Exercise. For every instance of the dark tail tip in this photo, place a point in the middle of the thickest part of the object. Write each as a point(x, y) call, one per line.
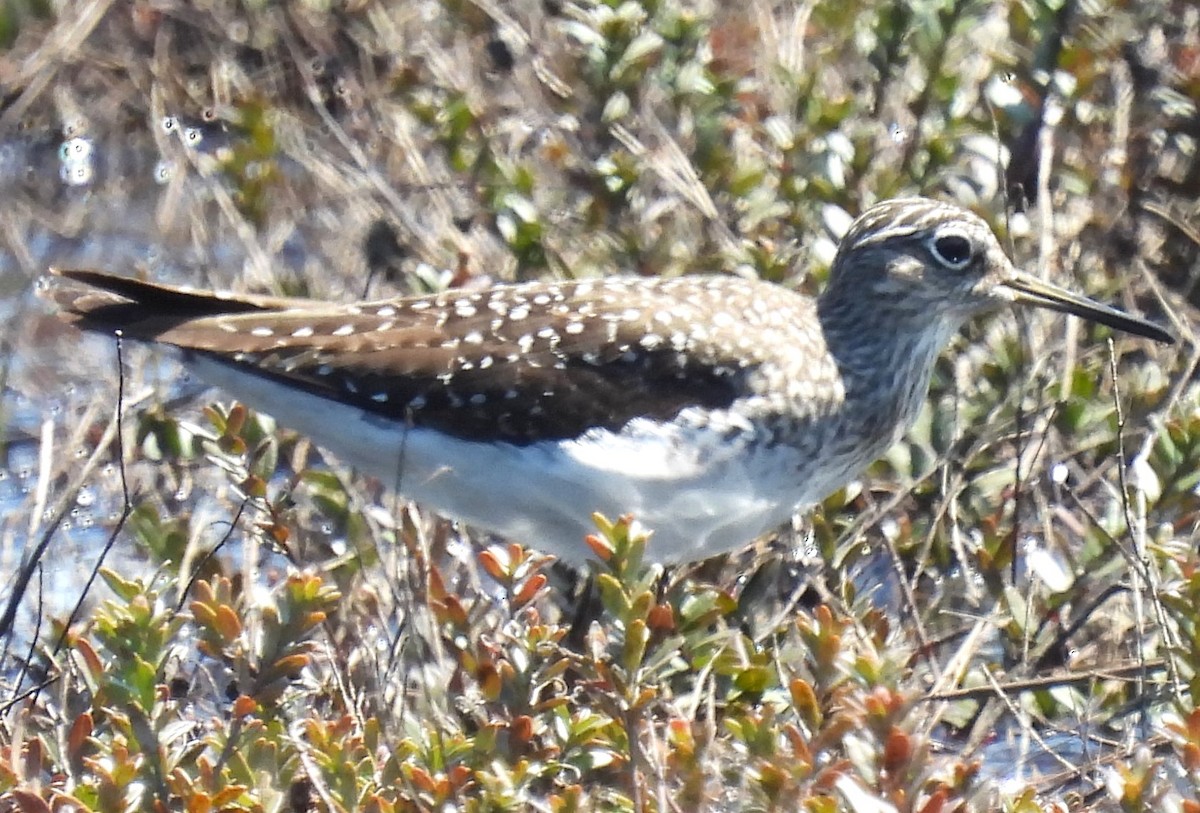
point(99, 301)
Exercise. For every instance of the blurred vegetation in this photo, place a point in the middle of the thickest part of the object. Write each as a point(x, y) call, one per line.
point(1001, 615)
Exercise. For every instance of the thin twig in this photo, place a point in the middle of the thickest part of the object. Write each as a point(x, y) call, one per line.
point(1043, 682)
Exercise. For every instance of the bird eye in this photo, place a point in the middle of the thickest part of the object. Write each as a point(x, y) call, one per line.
point(953, 249)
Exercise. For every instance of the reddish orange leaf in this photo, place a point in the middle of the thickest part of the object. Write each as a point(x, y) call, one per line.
point(600, 547)
point(244, 705)
point(227, 623)
point(897, 751)
point(491, 564)
point(661, 618)
point(81, 729)
point(529, 589)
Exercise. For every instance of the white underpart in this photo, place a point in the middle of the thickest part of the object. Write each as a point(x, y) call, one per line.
point(693, 487)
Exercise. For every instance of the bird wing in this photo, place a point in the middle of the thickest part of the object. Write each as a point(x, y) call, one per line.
point(516, 363)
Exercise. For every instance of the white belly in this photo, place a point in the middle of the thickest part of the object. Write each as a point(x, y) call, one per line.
point(698, 491)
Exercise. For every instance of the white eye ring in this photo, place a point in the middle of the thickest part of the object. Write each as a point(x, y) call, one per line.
point(952, 249)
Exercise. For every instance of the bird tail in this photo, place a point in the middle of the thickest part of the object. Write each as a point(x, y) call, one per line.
point(103, 302)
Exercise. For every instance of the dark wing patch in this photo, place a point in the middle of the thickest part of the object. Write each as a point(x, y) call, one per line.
point(519, 373)
point(519, 364)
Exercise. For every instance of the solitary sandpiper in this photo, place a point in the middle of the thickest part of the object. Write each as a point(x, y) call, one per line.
point(709, 407)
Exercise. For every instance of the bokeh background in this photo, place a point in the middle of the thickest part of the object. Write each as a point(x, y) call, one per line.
point(206, 613)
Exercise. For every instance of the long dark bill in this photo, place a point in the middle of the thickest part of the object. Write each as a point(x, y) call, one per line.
point(1032, 291)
